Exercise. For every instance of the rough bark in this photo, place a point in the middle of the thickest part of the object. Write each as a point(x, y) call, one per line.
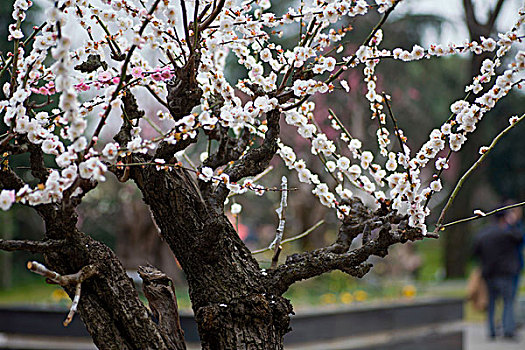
point(230, 301)
point(109, 304)
point(160, 292)
point(109, 307)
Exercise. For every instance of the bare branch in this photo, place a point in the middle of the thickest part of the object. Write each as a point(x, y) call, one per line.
point(186, 25)
point(157, 97)
point(294, 238)
point(475, 217)
point(310, 264)
point(470, 14)
point(216, 11)
point(74, 305)
point(9, 179)
point(63, 280)
point(281, 212)
point(36, 159)
point(493, 15)
point(383, 228)
point(31, 246)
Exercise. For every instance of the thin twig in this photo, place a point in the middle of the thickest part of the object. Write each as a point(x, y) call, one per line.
point(186, 26)
point(471, 170)
point(256, 178)
point(470, 218)
point(157, 97)
point(212, 16)
point(294, 238)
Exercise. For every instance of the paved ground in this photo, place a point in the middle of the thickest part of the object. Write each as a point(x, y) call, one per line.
point(476, 339)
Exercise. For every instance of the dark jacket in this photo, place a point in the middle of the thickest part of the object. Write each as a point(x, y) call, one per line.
point(496, 247)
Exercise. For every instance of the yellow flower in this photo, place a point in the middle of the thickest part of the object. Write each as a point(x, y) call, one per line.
point(328, 298)
point(360, 295)
point(346, 298)
point(409, 291)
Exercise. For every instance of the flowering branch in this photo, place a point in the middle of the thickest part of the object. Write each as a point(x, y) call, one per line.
point(122, 77)
point(484, 153)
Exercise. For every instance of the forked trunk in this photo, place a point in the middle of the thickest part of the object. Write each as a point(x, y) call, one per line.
point(232, 305)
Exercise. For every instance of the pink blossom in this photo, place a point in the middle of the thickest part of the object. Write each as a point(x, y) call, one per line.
point(104, 76)
point(7, 198)
point(50, 87)
point(166, 73)
point(157, 76)
point(41, 90)
point(81, 86)
point(136, 72)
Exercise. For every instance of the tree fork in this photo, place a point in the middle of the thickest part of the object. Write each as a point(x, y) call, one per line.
point(227, 288)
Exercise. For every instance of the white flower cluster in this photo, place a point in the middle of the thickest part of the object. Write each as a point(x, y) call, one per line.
point(272, 71)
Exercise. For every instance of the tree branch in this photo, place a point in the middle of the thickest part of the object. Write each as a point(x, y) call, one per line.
point(230, 149)
point(10, 180)
point(493, 15)
point(281, 212)
point(387, 227)
point(160, 292)
point(31, 246)
point(474, 166)
point(65, 281)
point(257, 159)
point(482, 215)
point(470, 15)
point(216, 11)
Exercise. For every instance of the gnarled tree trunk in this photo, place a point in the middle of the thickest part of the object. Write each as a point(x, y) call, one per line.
point(233, 306)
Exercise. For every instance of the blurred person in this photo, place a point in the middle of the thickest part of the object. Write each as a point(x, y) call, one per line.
point(513, 219)
point(496, 247)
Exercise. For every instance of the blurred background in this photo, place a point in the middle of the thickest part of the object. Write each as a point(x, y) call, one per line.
point(421, 91)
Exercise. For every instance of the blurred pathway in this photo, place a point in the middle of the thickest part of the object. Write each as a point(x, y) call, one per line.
point(476, 339)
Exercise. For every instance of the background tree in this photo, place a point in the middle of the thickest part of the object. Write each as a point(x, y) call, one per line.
point(176, 54)
point(460, 236)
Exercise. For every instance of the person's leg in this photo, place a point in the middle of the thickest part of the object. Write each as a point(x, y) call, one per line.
point(492, 304)
point(515, 285)
point(507, 291)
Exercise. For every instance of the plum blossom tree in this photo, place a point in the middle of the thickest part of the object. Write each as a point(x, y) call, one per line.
point(65, 90)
